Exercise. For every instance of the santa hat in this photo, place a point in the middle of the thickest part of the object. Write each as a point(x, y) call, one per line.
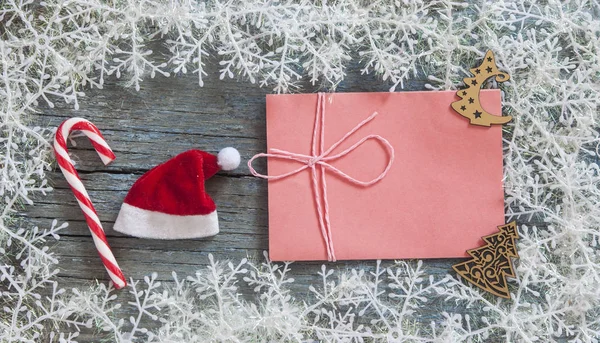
point(170, 200)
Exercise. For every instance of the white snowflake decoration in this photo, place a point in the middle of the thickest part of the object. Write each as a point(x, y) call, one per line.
point(55, 49)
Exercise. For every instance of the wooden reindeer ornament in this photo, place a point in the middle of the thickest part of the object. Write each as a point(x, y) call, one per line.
point(469, 105)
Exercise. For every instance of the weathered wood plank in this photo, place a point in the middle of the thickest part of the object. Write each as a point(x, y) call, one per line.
point(234, 195)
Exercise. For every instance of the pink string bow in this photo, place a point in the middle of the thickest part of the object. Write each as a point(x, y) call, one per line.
point(321, 159)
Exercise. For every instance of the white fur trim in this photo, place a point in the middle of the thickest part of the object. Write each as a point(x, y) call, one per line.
point(228, 158)
point(138, 222)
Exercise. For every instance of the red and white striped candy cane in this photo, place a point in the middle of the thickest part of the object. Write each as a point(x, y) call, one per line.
point(66, 165)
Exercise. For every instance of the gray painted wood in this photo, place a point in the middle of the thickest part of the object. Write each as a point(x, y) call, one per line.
point(168, 116)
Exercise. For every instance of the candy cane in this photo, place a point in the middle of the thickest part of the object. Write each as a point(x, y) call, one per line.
point(66, 165)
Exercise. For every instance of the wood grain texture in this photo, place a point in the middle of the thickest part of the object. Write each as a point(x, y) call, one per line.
point(168, 116)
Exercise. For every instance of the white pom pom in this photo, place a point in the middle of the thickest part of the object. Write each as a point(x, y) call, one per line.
point(228, 158)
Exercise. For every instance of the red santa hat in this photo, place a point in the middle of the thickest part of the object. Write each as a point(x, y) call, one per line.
point(170, 201)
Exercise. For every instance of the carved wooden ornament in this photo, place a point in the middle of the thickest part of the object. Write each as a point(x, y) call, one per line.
point(492, 263)
point(469, 105)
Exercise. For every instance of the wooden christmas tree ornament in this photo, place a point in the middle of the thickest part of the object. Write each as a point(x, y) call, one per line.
point(491, 263)
point(469, 105)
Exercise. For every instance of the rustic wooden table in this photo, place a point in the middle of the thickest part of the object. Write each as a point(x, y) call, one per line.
point(146, 127)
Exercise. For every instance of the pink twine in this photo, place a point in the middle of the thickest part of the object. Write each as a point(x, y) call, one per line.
point(321, 159)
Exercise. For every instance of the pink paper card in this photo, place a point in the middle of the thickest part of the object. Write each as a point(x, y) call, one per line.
point(442, 193)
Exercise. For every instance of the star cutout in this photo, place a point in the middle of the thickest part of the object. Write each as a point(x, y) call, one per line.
point(488, 69)
point(489, 59)
point(477, 114)
point(464, 92)
point(477, 71)
point(463, 107)
point(471, 100)
point(474, 83)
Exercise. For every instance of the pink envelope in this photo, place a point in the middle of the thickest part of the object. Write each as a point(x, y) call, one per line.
point(442, 194)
